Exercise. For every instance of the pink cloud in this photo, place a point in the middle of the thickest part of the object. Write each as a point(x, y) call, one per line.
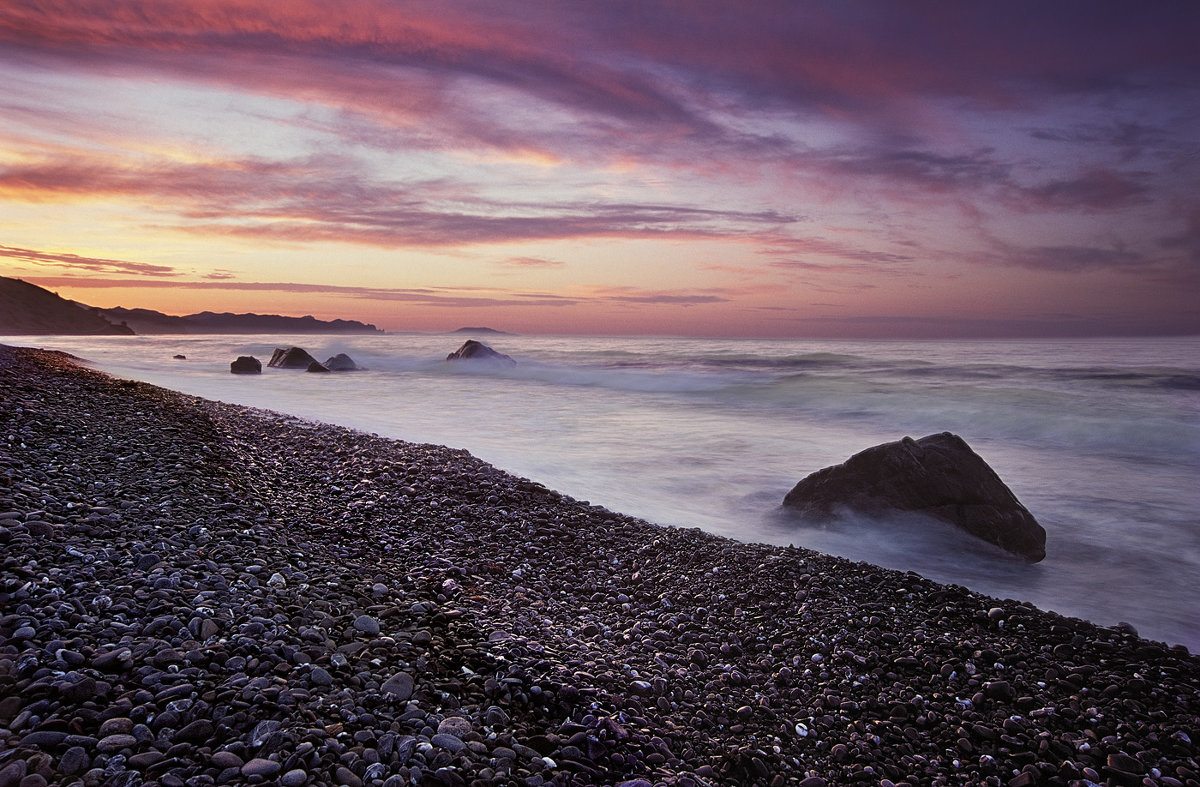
point(531, 262)
point(327, 200)
point(78, 262)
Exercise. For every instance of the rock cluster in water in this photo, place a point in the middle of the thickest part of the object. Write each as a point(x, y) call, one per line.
point(292, 358)
point(939, 476)
point(299, 358)
point(342, 363)
point(186, 599)
point(478, 351)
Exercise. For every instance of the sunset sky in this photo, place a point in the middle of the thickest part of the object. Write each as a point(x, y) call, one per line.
point(811, 169)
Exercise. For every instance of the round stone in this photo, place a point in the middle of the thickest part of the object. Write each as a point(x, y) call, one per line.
point(226, 759)
point(367, 625)
point(114, 743)
point(113, 726)
point(346, 777)
point(75, 760)
point(400, 686)
point(260, 767)
point(451, 743)
point(454, 725)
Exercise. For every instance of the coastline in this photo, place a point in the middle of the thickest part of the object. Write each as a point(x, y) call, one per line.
point(188, 573)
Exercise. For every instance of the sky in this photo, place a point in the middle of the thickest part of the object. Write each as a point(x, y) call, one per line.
point(823, 169)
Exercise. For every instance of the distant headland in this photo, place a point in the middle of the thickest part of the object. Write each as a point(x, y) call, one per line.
point(28, 309)
point(491, 331)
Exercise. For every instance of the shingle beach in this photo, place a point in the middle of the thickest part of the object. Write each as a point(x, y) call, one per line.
point(196, 593)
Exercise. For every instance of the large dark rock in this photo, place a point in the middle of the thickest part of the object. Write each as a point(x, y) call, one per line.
point(938, 475)
point(291, 358)
point(246, 364)
point(478, 351)
point(342, 363)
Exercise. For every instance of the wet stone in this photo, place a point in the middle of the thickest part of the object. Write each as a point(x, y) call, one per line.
point(454, 725)
point(226, 759)
point(260, 767)
point(399, 686)
point(75, 760)
point(44, 739)
point(450, 742)
point(115, 743)
point(294, 778)
point(367, 625)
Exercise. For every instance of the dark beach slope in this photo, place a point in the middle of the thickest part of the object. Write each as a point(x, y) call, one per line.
point(195, 593)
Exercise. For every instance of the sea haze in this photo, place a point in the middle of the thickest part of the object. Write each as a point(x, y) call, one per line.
point(1100, 439)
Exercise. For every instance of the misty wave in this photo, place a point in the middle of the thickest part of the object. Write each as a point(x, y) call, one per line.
point(638, 380)
point(1017, 414)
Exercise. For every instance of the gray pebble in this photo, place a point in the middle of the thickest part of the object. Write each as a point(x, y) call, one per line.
point(293, 778)
point(346, 777)
point(452, 743)
point(75, 760)
point(400, 686)
point(367, 625)
point(260, 767)
point(454, 725)
point(114, 743)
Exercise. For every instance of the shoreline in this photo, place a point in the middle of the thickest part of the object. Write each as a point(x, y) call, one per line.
point(206, 570)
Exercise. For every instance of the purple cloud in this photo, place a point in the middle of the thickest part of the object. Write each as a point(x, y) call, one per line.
point(1097, 190)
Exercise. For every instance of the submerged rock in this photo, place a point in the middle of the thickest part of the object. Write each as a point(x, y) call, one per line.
point(291, 358)
point(317, 367)
point(342, 363)
point(478, 351)
point(939, 476)
point(246, 364)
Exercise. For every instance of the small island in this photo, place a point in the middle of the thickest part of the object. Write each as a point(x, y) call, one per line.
point(489, 331)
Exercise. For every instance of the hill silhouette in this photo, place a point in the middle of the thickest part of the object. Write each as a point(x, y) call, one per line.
point(27, 309)
point(31, 310)
point(148, 321)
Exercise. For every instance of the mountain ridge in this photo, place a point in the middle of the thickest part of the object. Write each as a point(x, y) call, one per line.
point(148, 321)
point(27, 309)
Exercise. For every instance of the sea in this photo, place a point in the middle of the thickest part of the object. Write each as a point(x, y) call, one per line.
point(1099, 438)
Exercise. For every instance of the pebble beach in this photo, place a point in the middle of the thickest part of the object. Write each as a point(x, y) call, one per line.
point(196, 593)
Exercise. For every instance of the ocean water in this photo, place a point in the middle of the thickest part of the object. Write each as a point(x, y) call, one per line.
point(1100, 439)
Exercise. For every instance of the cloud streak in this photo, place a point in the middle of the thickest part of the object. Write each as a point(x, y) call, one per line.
point(325, 201)
point(450, 297)
point(670, 73)
point(91, 264)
